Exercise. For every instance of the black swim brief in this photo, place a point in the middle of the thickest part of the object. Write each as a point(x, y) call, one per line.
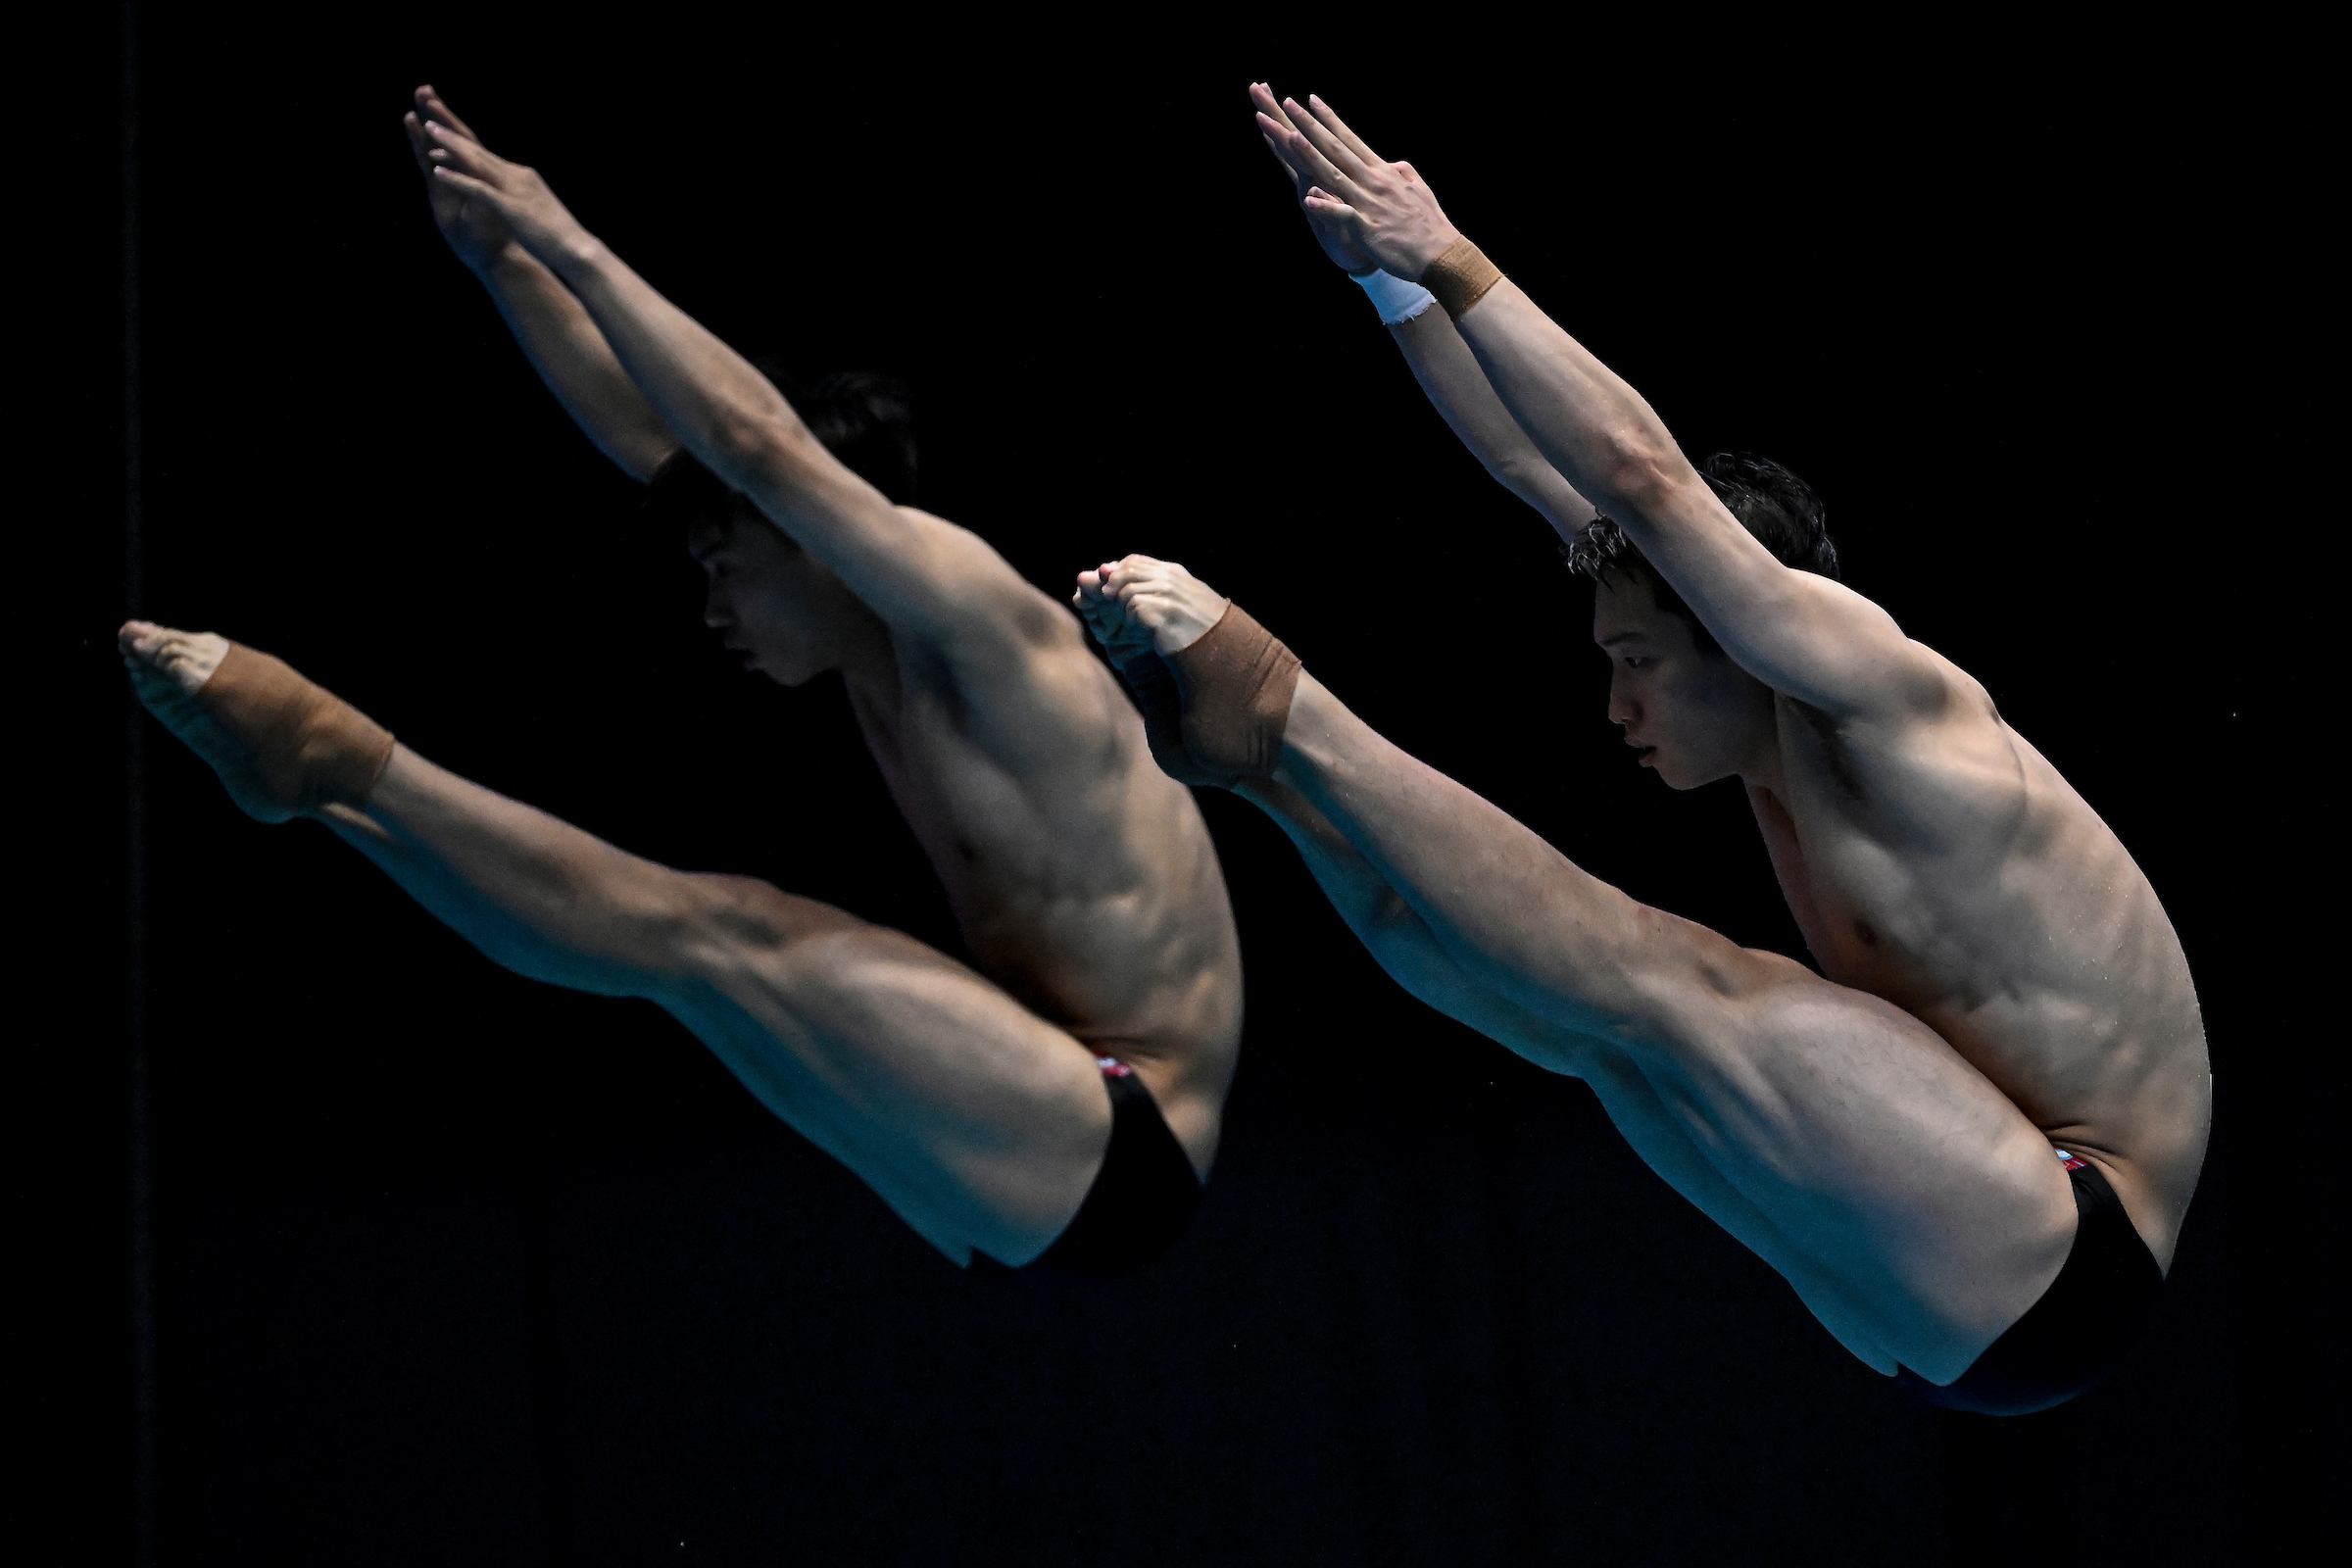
point(2078, 1331)
point(1140, 1200)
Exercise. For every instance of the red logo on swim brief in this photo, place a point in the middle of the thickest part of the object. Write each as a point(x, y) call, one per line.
point(1114, 1067)
point(2071, 1161)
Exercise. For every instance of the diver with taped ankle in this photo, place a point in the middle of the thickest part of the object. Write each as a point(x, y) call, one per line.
point(1968, 1140)
point(1050, 1107)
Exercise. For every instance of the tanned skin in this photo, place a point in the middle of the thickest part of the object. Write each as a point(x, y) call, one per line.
point(1998, 977)
point(1082, 877)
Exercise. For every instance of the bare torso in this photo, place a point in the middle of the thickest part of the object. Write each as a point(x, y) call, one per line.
point(1082, 876)
point(1945, 865)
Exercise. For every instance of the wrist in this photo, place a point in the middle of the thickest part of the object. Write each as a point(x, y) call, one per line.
point(1396, 300)
point(1460, 277)
point(1427, 253)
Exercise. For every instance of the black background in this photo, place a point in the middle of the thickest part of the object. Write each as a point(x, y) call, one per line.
point(454, 1268)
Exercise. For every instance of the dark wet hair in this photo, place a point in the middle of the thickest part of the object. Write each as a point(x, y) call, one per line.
point(866, 420)
point(1771, 503)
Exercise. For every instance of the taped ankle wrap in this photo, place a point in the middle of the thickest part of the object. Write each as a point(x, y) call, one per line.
point(1460, 277)
point(310, 748)
point(1153, 687)
point(1237, 682)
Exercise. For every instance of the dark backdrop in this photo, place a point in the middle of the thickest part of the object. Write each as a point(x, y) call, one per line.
point(448, 1267)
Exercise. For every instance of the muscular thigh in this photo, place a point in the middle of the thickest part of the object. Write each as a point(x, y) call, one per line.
point(980, 1123)
point(1915, 1208)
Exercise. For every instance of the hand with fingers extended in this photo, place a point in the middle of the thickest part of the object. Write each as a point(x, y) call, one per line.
point(1382, 211)
point(1350, 256)
point(1136, 605)
point(488, 195)
point(474, 229)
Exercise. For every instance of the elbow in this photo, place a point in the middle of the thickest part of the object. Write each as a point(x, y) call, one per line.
point(744, 444)
point(737, 442)
point(1641, 477)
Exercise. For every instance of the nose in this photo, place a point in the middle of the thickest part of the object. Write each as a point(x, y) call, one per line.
point(1622, 709)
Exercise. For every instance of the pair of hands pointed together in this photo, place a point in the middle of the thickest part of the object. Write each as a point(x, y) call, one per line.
point(482, 202)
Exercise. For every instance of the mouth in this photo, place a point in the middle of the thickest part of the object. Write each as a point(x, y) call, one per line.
point(1646, 756)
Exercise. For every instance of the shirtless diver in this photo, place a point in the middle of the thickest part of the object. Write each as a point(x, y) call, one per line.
point(1053, 1105)
point(1969, 1140)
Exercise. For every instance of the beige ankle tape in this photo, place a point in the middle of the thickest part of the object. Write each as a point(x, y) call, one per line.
point(1460, 277)
point(1237, 681)
point(310, 748)
point(1161, 702)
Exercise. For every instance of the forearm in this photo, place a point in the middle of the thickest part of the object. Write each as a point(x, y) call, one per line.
point(1798, 632)
point(1584, 421)
point(533, 893)
point(909, 568)
point(562, 342)
point(710, 398)
point(1458, 386)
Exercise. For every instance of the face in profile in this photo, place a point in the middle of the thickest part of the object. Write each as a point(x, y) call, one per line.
point(771, 600)
point(1692, 714)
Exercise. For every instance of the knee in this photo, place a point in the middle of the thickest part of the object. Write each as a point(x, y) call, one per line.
point(1713, 1000)
point(727, 917)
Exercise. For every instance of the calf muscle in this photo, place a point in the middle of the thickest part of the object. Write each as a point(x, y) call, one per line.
point(893, 1057)
point(533, 893)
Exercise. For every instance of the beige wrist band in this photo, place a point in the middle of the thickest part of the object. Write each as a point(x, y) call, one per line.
point(1460, 277)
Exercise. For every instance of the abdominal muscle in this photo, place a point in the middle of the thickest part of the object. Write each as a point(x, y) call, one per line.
point(2029, 940)
point(1084, 882)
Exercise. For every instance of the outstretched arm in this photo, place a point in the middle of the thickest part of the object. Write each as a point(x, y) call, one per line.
point(916, 572)
point(556, 333)
point(1448, 372)
point(1798, 632)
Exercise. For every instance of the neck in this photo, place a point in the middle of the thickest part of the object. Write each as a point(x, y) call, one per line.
point(1761, 768)
point(868, 662)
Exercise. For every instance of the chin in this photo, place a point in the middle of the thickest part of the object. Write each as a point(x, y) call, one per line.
point(1685, 779)
point(1671, 771)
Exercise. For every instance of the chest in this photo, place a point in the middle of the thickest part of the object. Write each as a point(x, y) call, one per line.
point(1841, 923)
point(964, 807)
point(1893, 860)
point(1000, 816)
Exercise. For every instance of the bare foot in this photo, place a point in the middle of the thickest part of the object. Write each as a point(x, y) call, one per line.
point(282, 746)
point(1135, 598)
point(1233, 678)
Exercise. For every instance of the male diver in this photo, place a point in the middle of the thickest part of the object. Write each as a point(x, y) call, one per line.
point(1050, 1108)
point(1969, 1142)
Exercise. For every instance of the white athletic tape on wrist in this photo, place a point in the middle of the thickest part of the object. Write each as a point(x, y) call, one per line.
point(1395, 299)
